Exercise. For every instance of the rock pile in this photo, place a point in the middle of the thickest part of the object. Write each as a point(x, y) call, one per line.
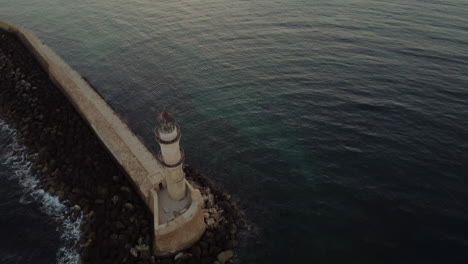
point(74, 166)
point(225, 222)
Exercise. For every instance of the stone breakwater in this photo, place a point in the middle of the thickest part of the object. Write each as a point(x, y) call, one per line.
point(73, 165)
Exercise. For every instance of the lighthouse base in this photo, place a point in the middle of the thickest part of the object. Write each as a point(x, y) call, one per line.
point(183, 228)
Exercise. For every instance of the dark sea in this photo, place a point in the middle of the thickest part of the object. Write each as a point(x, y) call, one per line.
point(341, 126)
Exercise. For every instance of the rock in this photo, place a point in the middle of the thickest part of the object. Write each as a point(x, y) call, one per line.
point(233, 229)
point(91, 214)
point(182, 256)
point(144, 251)
point(206, 260)
point(129, 206)
point(215, 250)
point(119, 225)
point(55, 173)
point(52, 165)
point(145, 254)
point(88, 243)
point(76, 208)
point(51, 190)
point(103, 191)
point(203, 244)
point(134, 252)
point(225, 256)
point(210, 200)
point(123, 237)
point(166, 261)
point(178, 255)
point(209, 234)
point(241, 222)
point(210, 221)
point(196, 251)
point(125, 189)
point(115, 199)
point(61, 195)
point(142, 247)
point(232, 244)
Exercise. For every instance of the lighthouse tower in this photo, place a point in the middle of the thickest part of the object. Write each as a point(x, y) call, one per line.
point(171, 155)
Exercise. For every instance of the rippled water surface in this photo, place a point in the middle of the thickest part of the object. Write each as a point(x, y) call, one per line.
point(341, 126)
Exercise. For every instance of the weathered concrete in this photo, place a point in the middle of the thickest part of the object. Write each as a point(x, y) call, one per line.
point(168, 136)
point(169, 208)
point(139, 163)
point(182, 231)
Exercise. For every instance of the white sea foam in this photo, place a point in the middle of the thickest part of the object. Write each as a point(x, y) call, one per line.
point(14, 156)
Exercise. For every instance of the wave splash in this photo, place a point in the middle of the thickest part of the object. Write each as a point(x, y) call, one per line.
point(14, 155)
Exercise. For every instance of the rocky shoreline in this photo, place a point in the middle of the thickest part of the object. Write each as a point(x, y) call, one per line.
point(74, 166)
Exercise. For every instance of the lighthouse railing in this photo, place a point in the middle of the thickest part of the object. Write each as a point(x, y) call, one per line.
point(160, 159)
point(162, 141)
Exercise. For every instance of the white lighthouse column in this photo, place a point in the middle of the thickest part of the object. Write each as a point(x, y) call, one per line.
point(172, 158)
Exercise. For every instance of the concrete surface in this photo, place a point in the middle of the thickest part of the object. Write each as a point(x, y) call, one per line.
point(169, 209)
point(184, 230)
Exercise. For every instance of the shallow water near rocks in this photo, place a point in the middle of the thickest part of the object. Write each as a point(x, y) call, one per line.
point(341, 126)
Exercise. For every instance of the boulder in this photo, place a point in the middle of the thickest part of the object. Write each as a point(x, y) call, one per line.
point(182, 256)
point(225, 256)
point(196, 251)
point(61, 195)
point(76, 208)
point(129, 206)
point(134, 252)
point(232, 244)
point(210, 221)
point(115, 199)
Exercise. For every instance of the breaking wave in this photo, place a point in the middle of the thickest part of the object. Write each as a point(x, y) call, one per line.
point(14, 155)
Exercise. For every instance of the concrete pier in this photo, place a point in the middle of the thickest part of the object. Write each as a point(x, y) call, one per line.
point(144, 170)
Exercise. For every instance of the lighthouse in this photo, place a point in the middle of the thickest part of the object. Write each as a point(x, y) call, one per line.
point(177, 207)
point(171, 155)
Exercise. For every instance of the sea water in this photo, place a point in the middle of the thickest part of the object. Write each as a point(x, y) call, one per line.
point(340, 125)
